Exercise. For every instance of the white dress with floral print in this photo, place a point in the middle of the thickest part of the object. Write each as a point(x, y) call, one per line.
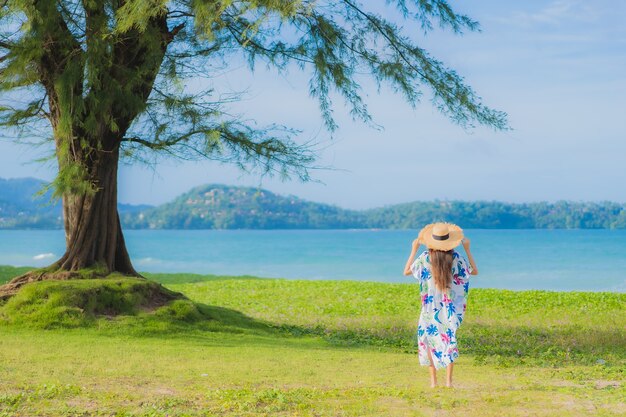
point(442, 312)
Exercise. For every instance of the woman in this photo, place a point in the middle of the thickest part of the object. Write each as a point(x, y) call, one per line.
point(443, 275)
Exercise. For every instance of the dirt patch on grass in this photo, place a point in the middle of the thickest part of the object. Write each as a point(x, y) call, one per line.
point(565, 383)
point(392, 403)
point(164, 391)
point(602, 384)
point(83, 404)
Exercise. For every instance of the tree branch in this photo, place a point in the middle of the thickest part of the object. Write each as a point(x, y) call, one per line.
point(175, 31)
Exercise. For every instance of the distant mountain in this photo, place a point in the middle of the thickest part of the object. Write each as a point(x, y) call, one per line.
point(20, 192)
point(226, 207)
point(22, 208)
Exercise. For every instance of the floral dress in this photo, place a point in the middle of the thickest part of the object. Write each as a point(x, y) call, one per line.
point(442, 312)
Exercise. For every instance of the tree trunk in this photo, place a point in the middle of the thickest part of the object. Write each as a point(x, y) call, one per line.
point(95, 245)
point(93, 234)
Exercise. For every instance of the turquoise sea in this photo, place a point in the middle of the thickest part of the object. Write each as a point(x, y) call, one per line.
point(588, 260)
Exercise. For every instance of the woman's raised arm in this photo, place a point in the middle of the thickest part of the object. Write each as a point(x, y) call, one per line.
point(414, 247)
point(470, 258)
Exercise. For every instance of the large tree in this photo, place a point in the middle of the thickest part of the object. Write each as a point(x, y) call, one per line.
point(106, 79)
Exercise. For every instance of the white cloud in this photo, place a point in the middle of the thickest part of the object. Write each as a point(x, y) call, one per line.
point(557, 12)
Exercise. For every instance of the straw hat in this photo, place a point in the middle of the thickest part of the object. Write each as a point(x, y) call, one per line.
point(441, 236)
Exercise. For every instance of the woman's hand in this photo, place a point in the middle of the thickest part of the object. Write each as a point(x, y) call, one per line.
point(466, 244)
point(416, 244)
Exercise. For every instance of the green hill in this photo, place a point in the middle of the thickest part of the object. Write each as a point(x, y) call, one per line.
point(223, 207)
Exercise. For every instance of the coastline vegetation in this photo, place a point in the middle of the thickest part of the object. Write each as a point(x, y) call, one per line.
point(225, 207)
point(269, 347)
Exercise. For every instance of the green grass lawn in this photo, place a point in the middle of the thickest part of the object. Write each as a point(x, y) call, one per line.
point(261, 347)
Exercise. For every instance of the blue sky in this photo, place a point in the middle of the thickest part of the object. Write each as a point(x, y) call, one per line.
point(556, 67)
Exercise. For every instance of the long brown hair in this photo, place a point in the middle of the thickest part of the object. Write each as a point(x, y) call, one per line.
point(441, 267)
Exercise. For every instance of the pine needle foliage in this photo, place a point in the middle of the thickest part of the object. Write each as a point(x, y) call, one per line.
point(100, 77)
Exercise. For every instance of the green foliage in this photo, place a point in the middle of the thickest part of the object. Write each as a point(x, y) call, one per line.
point(72, 179)
point(103, 74)
point(497, 215)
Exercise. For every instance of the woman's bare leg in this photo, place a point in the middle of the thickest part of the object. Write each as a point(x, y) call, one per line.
point(432, 370)
point(449, 375)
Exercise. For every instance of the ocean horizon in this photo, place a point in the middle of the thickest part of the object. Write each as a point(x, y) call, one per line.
point(515, 259)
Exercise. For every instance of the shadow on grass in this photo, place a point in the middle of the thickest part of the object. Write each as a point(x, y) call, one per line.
point(554, 345)
point(187, 318)
point(504, 345)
